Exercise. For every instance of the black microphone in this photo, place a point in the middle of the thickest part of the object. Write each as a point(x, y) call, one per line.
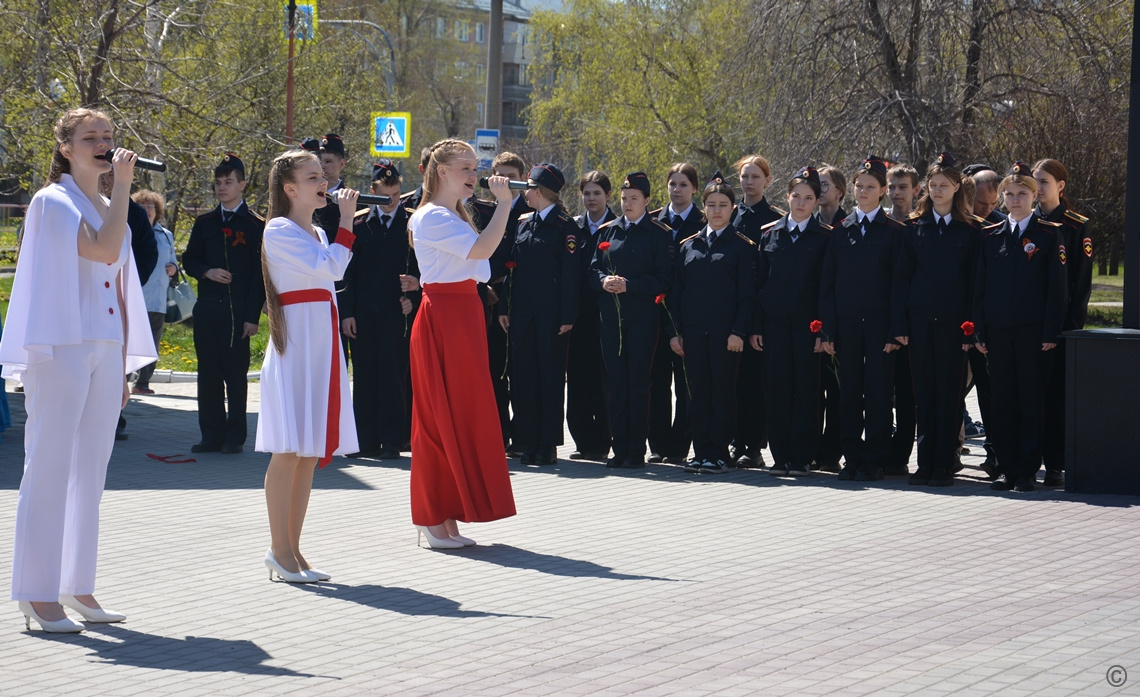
point(512, 184)
point(366, 199)
point(141, 163)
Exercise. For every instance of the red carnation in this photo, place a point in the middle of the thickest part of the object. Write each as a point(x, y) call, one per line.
point(511, 265)
point(227, 232)
point(660, 299)
point(968, 328)
point(604, 246)
point(816, 326)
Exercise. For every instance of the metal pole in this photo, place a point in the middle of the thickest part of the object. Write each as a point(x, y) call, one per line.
point(1132, 206)
point(493, 109)
point(289, 79)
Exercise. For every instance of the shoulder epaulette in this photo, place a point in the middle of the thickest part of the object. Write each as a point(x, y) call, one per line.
point(361, 213)
point(661, 225)
point(992, 227)
point(977, 219)
point(565, 217)
point(526, 216)
point(896, 223)
point(657, 212)
point(697, 234)
point(1077, 217)
point(826, 228)
point(606, 225)
point(407, 194)
point(744, 237)
point(770, 225)
point(777, 209)
point(409, 211)
point(1050, 223)
point(254, 214)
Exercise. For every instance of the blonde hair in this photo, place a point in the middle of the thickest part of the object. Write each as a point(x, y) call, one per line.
point(758, 160)
point(64, 131)
point(145, 196)
point(1028, 182)
point(283, 170)
point(444, 153)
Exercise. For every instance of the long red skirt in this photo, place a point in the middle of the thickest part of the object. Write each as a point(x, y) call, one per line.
point(459, 468)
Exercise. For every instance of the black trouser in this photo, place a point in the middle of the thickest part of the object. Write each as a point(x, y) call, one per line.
point(670, 433)
point(379, 380)
point(627, 377)
point(830, 446)
point(223, 362)
point(1053, 438)
point(980, 370)
point(938, 365)
point(751, 433)
point(497, 352)
point(866, 377)
point(792, 390)
point(157, 326)
point(902, 442)
point(1018, 373)
point(538, 355)
point(712, 371)
point(586, 415)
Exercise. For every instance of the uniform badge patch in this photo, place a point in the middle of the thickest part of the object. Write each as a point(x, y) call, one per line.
point(1088, 247)
point(571, 243)
point(1062, 254)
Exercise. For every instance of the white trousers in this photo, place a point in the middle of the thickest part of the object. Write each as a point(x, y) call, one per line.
point(73, 404)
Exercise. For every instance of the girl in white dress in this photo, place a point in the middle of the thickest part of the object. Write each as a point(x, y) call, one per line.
point(306, 410)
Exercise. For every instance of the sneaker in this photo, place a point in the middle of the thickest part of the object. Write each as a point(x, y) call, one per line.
point(975, 429)
point(694, 465)
point(714, 467)
point(798, 470)
point(778, 469)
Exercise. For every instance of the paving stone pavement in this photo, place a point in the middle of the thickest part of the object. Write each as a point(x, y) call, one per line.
point(649, 582)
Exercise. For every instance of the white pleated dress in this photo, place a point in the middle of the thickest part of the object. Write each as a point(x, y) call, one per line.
point(295, 385)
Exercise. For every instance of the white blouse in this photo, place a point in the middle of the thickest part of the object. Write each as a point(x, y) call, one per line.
point(442, 241)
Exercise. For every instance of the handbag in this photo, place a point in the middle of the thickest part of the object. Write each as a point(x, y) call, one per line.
point(180, 299)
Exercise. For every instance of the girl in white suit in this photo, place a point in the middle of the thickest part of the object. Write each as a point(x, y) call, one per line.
point(77, 326)
point(306, 408)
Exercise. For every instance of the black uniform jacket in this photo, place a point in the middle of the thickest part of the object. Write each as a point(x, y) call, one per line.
point(858, 271)
point(642, 255)
point(935, 271)
point(1079, 250)
point(587, 300)
point(750, 220)
point(788, 273)
point(714, 285)
point(549, 263)
point(380, 256)
point(233, 245)
point(1021, 282)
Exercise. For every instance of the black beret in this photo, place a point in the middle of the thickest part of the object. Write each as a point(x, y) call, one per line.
point(971, 170)
point(1019, 168)
point(810, 175)
point(637, 180)
point(232, 160)
point(875, 165)
point(332, 143)
point(946, 161)
point(547, 175)
point(384, 169)
point(716, 178)
point(310, 144)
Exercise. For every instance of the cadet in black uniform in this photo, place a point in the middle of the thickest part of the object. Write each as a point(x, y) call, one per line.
point(224, 254)
point(333, 160)
point(935, 272)
point(712, 300)
point(833, 188)
point(902, 184)
point(788, 278)
point(538, 309)
point(855, 308)
point(632, 265)
point(752, 213)
point(670, 433)
point(1019, 308)
point(381, 286)
point(586, 414)
point(1052, 204)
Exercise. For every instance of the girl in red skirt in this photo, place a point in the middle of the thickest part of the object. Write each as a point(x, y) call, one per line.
point(459, 470)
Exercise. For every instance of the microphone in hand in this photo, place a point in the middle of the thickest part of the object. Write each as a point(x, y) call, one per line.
point(140, 163)
point(513, 184)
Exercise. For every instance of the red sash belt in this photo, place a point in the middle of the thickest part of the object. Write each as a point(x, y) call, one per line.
point(332, 425)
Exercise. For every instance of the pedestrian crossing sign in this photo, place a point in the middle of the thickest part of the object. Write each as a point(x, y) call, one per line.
point(391, 134)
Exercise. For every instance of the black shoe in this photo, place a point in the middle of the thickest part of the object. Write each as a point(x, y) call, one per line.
point(1003, 483)
point(990, 466)
point(798, 470)
point(359, 454)
point(578, 455)
point(693, 466)
point(745, 460)
point(512, 450)
point(655, 459)
point(120, 433)
point(829, 466)
point(230, 448)
point(847, 474)
point(1026, 482)
point(1054, 478)
point(868, 474)
point(919, 478)
point(547, 456)
point(388, 452)
point(714, 466)
point(528, 459)
point(204, 447)
point(615, 462)
point(778, 469)
point(631, 464)
point(942, 477)
point(897, 469)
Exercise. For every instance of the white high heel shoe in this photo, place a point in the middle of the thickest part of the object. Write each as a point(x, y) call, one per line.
point(285, 575)
point(91, 614)
point(467, 541)
point(437, 542)
point(64, 626)
point(321, 575)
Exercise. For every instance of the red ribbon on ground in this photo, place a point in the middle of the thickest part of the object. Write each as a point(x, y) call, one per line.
point(332, 424)
point(170, 459)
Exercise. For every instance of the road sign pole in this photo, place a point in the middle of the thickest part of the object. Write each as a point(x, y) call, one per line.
point(289, 77)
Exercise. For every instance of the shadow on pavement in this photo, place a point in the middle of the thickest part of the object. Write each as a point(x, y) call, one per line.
point(115, 644)
point(405, 601)
point(515, 558)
